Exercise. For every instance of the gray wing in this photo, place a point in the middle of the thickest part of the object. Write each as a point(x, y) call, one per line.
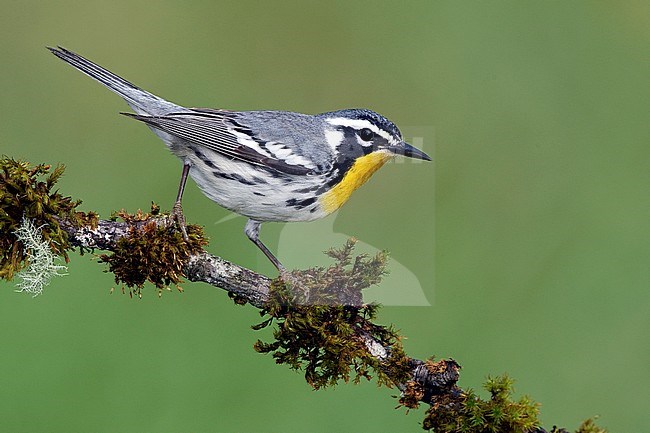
point(231, 135)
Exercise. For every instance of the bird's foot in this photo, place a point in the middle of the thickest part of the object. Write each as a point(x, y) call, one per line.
point(285, 275)
point(179, 218)
point(299, 291)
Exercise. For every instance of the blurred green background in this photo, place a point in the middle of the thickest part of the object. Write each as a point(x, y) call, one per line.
point(529, 234)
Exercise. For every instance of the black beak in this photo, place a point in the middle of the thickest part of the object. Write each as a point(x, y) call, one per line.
point(406, 149)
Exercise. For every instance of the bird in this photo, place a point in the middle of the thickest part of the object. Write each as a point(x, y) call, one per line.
point(268, 166)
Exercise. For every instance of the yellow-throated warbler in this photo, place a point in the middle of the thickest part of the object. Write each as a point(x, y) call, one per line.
point(265, 165)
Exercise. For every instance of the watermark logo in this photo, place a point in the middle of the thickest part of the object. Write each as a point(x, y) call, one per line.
point(301, 245)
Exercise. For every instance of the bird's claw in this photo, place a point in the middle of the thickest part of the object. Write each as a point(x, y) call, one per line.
point(179, 218)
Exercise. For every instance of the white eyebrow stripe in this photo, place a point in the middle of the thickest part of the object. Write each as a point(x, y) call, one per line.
point(360, 124)
point(353, 123)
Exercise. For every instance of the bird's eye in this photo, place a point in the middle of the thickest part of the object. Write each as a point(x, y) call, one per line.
point(366, 135)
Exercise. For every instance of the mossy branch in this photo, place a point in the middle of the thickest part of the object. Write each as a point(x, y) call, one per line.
point(322, 326)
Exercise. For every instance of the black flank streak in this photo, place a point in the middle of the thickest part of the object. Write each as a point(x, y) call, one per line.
point(305, 190)
point(300, 204)
point(205, 159)
point(233, 176)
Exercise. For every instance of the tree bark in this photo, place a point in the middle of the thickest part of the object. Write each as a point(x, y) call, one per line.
point(254, 289)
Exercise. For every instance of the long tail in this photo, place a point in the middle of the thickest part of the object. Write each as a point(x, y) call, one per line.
point(140, 100)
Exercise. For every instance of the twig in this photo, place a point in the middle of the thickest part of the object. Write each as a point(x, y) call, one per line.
point(254, 288)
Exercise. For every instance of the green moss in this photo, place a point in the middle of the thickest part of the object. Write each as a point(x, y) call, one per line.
point(28, 191)
point(467, 412)
point(151, 252)
point(320, 318)
point(412, 395)
point(589, 426)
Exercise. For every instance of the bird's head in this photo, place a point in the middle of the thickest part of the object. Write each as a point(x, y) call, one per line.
point(358, 132)
point(362, 141)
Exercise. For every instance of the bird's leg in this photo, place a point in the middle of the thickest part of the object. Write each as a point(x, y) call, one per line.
point(177, 210)
point(252, 230)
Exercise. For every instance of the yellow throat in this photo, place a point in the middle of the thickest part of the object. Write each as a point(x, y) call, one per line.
point(356, 176)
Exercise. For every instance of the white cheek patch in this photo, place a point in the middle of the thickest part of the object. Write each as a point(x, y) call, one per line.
point(334, 138)
point(361, 124)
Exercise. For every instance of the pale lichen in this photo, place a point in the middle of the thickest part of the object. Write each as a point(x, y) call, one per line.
point(40, 258)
